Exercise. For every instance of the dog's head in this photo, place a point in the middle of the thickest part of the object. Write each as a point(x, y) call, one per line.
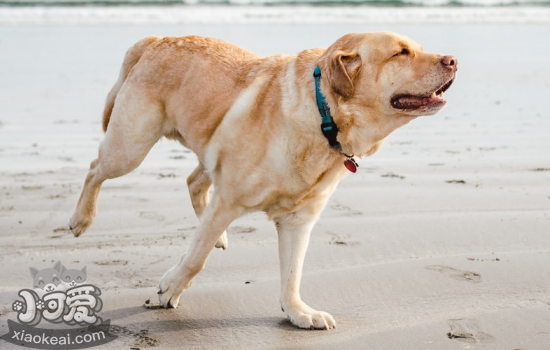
point(381, 81)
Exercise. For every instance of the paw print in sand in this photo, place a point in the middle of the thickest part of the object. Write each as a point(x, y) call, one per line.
point(17, 306)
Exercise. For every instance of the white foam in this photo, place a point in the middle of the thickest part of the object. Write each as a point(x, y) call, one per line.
point(427, 3)
point(220, 14)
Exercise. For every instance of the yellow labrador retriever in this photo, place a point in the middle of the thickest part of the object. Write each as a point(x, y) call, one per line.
point(273, 134)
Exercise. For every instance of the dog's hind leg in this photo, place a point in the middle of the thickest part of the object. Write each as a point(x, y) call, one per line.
point(199, 184)
point(217, 216)
point(294, 231)
point(135, 126)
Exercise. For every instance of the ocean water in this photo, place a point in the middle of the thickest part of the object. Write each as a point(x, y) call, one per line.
point(380, 3)
point(90, 12)
point(180, 14)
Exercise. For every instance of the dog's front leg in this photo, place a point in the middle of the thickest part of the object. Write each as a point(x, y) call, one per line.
point(217, 217)
point(294, 231)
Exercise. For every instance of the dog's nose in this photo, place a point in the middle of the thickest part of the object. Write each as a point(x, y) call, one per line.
point(449, 62)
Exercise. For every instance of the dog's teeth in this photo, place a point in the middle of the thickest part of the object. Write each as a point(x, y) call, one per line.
point(432, 95)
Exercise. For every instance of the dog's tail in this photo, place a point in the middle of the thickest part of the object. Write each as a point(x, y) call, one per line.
point(132, 57)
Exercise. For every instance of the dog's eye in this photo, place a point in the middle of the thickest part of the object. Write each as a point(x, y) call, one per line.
point(404, 52)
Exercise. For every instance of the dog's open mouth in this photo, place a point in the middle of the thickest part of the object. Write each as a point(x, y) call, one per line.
point(412, 102)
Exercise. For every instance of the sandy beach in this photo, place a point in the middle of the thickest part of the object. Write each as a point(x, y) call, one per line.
point(440, 241)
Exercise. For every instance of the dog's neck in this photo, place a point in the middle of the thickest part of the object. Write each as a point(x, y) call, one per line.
point(328, 126)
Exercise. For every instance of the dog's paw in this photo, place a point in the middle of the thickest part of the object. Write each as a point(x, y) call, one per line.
point(171, 286)
point(222, 242)
point(307, 318)
point(78, 225)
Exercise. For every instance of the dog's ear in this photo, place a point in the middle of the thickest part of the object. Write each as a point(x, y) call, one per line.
point(344, 68)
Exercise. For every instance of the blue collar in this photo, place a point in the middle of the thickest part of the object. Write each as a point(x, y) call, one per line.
point(328, 127)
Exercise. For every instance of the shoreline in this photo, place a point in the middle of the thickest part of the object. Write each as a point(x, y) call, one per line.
point(255, 15)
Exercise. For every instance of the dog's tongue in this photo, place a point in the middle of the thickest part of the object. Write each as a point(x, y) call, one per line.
point(413, 102)
point(410, 102)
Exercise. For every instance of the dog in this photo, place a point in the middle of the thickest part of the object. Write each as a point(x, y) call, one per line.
point(271, 134)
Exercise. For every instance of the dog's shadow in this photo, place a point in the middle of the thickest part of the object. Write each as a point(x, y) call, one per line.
point(180, 322)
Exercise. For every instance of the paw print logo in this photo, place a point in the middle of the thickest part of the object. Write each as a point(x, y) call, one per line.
point(39, 305)
point(17, 306)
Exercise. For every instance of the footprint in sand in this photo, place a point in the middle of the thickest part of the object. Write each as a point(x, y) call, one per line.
point(347, 210)
point(467, 331)
point(336, 240)
point(240, 229)
point(140, 339)
point(459, 275)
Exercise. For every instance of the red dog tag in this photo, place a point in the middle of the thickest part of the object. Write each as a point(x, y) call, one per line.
point(351, 165)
